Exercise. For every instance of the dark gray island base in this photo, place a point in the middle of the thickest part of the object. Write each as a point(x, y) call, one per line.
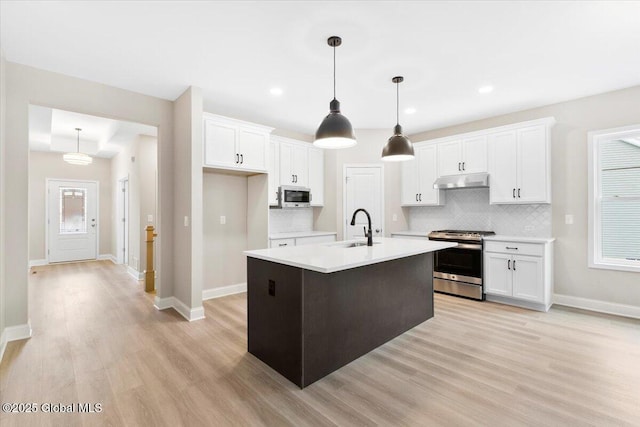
point(306, 324)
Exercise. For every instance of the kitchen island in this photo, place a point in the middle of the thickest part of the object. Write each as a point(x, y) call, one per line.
point(313, 309)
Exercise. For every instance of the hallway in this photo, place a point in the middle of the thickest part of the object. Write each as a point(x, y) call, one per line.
point(98, 339)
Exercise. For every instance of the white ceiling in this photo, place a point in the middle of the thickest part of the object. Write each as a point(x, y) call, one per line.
point(55, 130)
point(533, 53)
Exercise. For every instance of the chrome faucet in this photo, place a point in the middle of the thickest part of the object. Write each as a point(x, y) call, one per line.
point(368, 233)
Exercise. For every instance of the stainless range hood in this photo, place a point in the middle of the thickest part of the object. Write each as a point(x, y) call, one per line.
point(471, 180)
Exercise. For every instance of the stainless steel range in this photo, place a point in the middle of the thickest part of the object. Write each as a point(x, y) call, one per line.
point(458, 271)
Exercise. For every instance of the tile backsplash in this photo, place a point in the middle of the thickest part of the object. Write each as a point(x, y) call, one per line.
point(290, 220)
point(469, 209)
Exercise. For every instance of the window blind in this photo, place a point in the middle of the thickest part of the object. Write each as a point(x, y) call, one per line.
point(620, 200)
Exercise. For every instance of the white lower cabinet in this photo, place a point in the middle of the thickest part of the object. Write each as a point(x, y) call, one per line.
point(519, 273)
point(302, 240)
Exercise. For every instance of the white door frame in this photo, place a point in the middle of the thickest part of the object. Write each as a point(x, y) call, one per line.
point(345, 217)
point(122, 229)
point(47, 222)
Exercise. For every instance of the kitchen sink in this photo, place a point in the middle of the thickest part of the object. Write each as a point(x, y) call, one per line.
point(352, 244)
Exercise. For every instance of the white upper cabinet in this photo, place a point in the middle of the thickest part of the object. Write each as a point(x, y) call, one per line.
point(467, 155)
point(519, 165)
point(316, 175)
point(234, 144)
point(299, 164)
point(294, 160)
point(418, 176)
point(274, 171)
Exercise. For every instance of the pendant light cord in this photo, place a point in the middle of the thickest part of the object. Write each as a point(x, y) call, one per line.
point(78, 143)
point(334, 72)
point(397, 103)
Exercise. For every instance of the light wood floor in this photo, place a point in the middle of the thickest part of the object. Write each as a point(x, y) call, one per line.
point(98, 339)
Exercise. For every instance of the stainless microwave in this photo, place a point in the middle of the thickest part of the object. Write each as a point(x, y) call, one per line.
point(293, 197)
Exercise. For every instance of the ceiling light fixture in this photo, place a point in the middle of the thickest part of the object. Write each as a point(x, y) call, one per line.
point(78, 158)
point(485, 89)
point(398, 147)
point(335, 131)
point(276, 91)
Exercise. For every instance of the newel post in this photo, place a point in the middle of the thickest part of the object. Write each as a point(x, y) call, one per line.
point(149, 273)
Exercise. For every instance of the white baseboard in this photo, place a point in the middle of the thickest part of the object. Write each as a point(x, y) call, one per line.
point(518, 303)
point(14, 333)
point(597, 305)
point(190, 314)
point(107, 257)
point(135, 273)
point(37, 262)
point(224, 291)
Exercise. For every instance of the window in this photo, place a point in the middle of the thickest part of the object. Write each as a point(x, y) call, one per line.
point(614, 199)
point(73, 219)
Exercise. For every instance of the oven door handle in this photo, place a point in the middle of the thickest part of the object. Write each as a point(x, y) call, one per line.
point(468, 246)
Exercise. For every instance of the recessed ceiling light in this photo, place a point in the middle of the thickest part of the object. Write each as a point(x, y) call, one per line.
point(276, 91)
point(410, 110)
point(485, 89)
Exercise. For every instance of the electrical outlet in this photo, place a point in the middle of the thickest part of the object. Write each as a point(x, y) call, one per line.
point(272, 288)
point(223, 219)
point(568, 219)
point(149, 218)
point(186, 221)
point(394, 218)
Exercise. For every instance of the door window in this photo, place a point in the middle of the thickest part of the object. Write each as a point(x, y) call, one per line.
point(73, 208)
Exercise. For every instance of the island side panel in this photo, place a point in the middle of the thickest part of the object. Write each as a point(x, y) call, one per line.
point(351, 312)
point(274, 322)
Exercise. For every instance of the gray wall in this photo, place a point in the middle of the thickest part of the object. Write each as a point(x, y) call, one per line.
point(25, 85)
point(43, 165)
point(3, 249)
point(224, 263)
point(142, 195)
point(187, 181)
point(569, 185)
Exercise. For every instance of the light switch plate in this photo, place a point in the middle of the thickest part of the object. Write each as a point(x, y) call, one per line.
point(149, 218)
point(186, 221)
point(223, 219)
point(568, 219)
point(395, 217)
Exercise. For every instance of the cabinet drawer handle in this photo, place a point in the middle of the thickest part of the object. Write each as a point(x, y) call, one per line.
point(511, 247)
point(518, 193)
point(514, 265)
point(509, 264)
point(282, 244)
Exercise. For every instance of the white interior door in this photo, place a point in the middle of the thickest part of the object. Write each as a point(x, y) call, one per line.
point(363, 189)
point(123, 222)
point(72, 220)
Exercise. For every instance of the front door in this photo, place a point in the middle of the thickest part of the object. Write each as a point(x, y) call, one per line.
point(363, 189)
point(72, 220)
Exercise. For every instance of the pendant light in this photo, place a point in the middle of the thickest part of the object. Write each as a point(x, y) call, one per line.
point(398, 147)
point(335, 131)
point(78, 158)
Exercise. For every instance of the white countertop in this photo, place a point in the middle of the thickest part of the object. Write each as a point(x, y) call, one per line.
point(300, 234)
point(332, 257)
point(523, 239)
point(410, 233)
